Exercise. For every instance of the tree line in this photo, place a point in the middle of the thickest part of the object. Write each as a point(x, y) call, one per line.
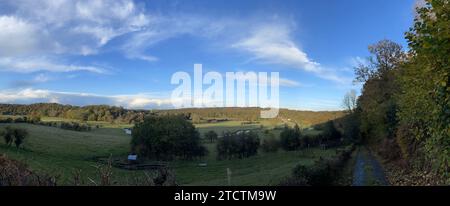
point(75, 126)
point(86, 113)
point(243, 144)
point(196, 115)
point(292, 138)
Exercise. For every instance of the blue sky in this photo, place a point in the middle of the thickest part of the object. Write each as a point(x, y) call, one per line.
point(124, 52)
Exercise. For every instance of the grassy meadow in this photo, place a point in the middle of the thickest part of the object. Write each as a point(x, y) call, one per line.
point(61, 153)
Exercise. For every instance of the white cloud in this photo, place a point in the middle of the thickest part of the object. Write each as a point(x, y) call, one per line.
point(135, 47)
point(16, 36)
point(83, 25)
point(141, 101)
point(137, 101)
point(29, 65)
point(41, 29)
point(274, 44)
point(27, 94)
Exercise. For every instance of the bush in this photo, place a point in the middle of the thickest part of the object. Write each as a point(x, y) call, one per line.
point(211, 136)
point(8, 135)
point(270, 144)
point(290, 138)
point(322, 173)
point(19, 136)
point(14, 173)
point(70, 126)
point(330, 132)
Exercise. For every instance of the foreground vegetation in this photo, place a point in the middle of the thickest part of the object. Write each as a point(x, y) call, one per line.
point(69, 155)
point(404, 110)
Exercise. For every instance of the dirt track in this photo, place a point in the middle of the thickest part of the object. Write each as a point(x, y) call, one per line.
point(367, 170)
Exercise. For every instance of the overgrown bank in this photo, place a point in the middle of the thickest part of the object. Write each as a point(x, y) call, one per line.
point(324, 172)
point(403, 112)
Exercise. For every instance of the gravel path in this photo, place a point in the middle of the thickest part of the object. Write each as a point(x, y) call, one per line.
point(368, 171)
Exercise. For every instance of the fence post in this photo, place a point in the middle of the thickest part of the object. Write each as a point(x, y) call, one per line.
point(229, 176)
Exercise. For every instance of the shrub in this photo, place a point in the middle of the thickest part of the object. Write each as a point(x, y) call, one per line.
point(290, 138)
point(19, 136)
point(70, 126)
point(211, 136)
point(322, 173)
point(8, 135)
point(14, 173)
point(270, 144)
point(330, 132)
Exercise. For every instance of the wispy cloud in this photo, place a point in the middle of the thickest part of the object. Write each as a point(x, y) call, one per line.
point(273, 44)
point(35, 64)
point(40, 78)
point(290, 83)
point(162, 28)
point(76, 26)
point(138, 43)
point(317, 104)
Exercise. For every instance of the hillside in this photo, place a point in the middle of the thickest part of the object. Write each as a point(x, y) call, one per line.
point(199, 115)
point(63, 154)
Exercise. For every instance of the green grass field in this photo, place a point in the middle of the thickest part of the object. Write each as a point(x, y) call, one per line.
point(261, 170)
point(61, 152)
point(91, 123)
point(230, 126)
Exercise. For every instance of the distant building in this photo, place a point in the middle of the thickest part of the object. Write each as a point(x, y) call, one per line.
point(132, 158)
point(239, 132)
point(128, 131)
